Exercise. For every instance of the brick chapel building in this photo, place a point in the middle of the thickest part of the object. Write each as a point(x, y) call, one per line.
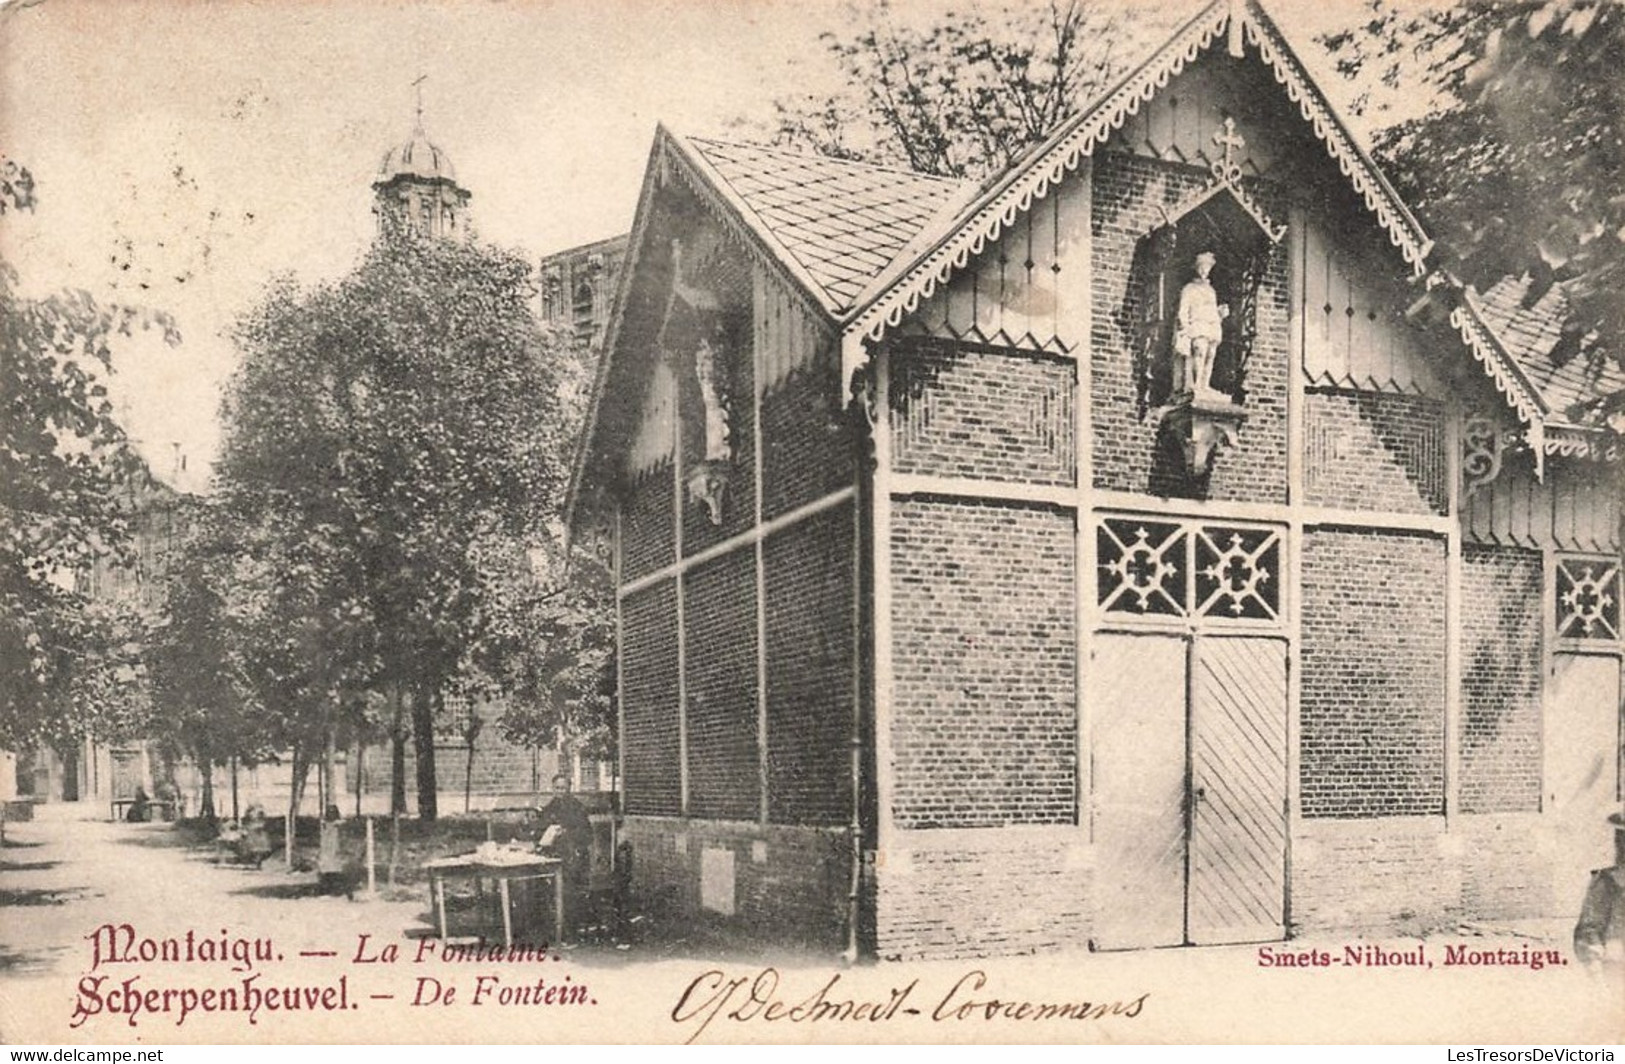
point(1121, 552)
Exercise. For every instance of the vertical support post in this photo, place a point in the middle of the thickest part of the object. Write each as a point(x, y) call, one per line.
point(682, 623)
point(617, 568)
point(1293, 549)
point(1452, 623)
point(885, 786)
point(758, 358)
point(1083, 580)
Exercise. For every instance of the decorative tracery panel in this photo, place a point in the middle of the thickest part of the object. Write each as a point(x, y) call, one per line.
point(1209, 572)
point(1587, 592)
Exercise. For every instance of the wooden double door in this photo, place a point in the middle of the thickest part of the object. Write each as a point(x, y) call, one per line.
point(1582, 754)
point(1188, 773)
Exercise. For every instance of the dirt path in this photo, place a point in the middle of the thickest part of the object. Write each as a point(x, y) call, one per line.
point(67, 873)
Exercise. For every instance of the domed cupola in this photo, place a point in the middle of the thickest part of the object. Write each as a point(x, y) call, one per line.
point(417, 191)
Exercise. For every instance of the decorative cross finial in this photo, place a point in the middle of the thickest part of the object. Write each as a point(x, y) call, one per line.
point(1230, 142)
point(418, 85)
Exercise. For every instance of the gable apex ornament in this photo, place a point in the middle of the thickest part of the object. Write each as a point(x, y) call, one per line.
point(1226, 177)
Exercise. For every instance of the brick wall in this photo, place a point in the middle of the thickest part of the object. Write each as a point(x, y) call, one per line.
point(1373, 702)
point(809, 670)
point(649, 701)
point(805, 449)
point(719, 608)
point(1129, 455)
point(981, 892)
point(1506, 868)
point(1375, 451)
point(983, 720)
point(790, 883)
point(963, 412)
point(1406, 875)
point(1501, 631)
point(647, 536)
point(1401, 874)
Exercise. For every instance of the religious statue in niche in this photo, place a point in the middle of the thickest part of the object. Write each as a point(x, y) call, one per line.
point(1198, 329)
point(708, 480)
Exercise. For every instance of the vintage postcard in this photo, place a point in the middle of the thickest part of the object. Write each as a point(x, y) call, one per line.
point(713, 521)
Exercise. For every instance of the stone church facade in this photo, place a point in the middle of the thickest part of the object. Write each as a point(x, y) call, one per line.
point(1143, 547)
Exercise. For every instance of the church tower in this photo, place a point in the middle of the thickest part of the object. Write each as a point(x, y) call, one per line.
point(417, 191)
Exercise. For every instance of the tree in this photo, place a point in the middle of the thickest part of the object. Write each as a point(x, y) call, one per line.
point(72, 665)
point(1515, 167)
point(962, 97)
point(550, 648)
point(204, 700)
point(380, 428)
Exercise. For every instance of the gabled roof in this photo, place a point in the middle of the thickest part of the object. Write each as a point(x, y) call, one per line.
point(827, 225)
point(840, 221)
point(936, 255)
point(1525, 332)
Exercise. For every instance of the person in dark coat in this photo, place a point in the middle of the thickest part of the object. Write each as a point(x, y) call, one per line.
point(566, 831)
point(254, 846)
point(140, 807)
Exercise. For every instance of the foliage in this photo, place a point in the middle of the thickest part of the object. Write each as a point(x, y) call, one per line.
point(549, 649)
point(204, 698)
point(965, 95)
point(71, 663)
point(379, 429)
point(1517, 167)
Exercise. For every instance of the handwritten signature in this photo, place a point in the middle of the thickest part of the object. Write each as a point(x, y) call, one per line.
point(759, 997)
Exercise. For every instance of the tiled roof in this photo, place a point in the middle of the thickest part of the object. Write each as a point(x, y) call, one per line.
point(1528, 335)
point(841, 221)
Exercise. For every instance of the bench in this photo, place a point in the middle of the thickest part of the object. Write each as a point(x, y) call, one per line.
point(161, 805)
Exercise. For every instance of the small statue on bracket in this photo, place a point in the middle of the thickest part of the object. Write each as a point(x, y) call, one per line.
point(1203, 420)
point(1198, 330)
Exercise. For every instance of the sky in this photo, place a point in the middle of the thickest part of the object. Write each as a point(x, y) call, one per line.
point(185, 153)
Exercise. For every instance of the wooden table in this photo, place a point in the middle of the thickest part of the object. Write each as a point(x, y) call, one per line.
point(505, 872)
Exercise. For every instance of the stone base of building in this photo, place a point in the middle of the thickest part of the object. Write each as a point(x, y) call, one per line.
point(975, 892)
point(1411, 874)
point(767, 884)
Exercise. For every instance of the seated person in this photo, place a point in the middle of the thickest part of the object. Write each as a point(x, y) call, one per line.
point(254, 844)
point(140, 810)
point(566, 831)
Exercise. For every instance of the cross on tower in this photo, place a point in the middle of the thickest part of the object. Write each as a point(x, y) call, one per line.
point(417, 84)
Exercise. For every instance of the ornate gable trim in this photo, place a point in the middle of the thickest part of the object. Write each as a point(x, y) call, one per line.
point(1508, 378)
point(671, 159)
point(899, 290)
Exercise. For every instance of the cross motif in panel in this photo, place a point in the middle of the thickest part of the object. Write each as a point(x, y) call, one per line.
point(1141, 572)
point(1238, 574)
point(1588, 608)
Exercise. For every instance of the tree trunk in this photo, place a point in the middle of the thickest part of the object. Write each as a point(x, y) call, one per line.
point(330, 756)
point(296, 794)
point(236, 814)
point(423, 734)
point(397, 755)
point(206, 803)
point(360, 773)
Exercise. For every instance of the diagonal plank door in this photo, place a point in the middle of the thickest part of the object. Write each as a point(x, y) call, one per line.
point(1137, 713)
point(1238, 790)
point(1582, 748)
